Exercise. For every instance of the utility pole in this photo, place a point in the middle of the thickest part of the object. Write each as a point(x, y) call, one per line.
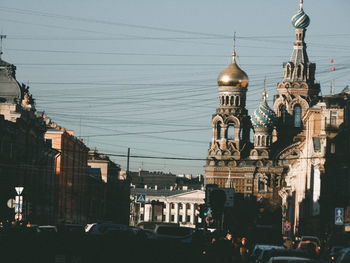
point(127, 164)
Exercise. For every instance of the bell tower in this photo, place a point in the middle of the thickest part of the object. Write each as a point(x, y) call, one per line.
point(298, 90)
point(230, 123)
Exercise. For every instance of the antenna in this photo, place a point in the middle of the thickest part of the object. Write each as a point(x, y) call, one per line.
point(1, 37)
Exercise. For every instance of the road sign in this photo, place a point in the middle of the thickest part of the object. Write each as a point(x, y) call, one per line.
point(11, 203)
point(339, 216)
point(287, 226)
point(140, 198)
point(18, 208)
point(347, 227)
point(18, 216)
point(19, 189)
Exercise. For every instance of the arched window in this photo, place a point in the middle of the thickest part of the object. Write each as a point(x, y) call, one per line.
point(299, 73)
point(297, 116)
point(237, 100)
point(230, 131)
point(283, 113)
point(258, 140)
point(222, 100)
point(288, 71)
point(218, 130)
point(261, 185)
point(231, 100)
point(227, 98)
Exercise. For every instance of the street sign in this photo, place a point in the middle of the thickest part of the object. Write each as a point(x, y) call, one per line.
point(19, 189)
point(347, 227)
point(339, 216)
point(11, 203)
point(140, 198)
point(18, 216)
point(18, 208)
point(287, 226)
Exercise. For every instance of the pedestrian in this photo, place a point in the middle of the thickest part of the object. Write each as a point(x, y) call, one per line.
point(244, 250)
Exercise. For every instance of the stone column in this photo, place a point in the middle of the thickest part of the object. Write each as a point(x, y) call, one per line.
point(176, 216)
point(167, 212)
point(184, 213)
point(192, 214)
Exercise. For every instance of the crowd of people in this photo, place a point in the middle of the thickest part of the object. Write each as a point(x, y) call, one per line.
point(226, 248)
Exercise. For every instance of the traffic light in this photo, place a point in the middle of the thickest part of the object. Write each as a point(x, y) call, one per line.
point(204, 211)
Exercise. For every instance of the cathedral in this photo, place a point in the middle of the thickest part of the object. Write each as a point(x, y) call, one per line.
point(273, 167)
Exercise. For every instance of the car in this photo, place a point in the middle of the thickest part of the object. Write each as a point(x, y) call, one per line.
point(174, 233)
point(309, 246)
point(334, 252)
point(311, 238)
point(282, 259)
point(258, 248)
point(343, 256)
point(72, 228)
point(48, 229)
point(266, 255)
point(105, 227)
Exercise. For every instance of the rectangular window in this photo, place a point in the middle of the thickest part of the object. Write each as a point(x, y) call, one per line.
point(332, 147)
point(317, 144)
point(172, 218)
point(333, 118)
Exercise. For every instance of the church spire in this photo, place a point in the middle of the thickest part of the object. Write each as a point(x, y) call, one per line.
point(234, 54)
point(1, 37)
point(301, 5)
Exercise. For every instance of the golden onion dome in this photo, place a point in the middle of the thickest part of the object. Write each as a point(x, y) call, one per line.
point(233, 75)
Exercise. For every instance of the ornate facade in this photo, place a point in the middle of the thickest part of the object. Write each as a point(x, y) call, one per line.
point(278, 167)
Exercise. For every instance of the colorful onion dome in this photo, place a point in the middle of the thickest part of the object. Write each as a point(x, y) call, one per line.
point(300, 20)
point(263, 117)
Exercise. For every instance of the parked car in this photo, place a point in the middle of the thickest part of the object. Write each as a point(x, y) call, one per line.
point(175, 233)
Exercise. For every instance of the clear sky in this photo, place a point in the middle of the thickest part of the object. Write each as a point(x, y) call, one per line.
point(142, 74)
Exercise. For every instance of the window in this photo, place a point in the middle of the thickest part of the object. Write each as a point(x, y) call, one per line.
point(172, 205)
point(283, 113)
point(333, 118)
point(227, 100)
point(218, 130)
point(317, 144)
point(297, 116)
point(172, 218)
point(332, 147)
point(261, 186)
point(231, 131)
